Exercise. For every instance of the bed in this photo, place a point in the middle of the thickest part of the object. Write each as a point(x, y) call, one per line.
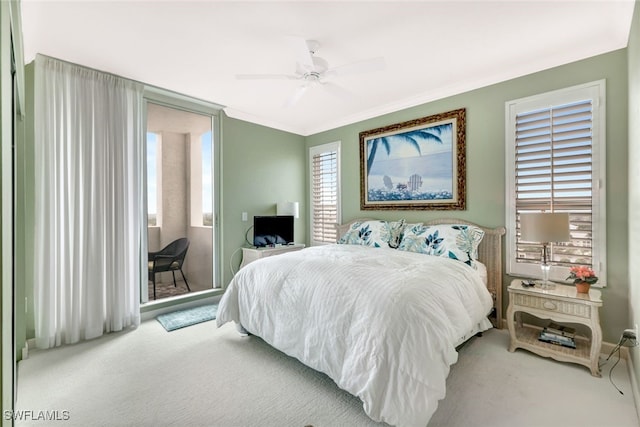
point(381, 312)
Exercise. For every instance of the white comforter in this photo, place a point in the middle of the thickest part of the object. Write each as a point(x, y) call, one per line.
point(382, 323)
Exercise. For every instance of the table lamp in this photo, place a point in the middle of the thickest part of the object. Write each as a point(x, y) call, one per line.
point(288, 208)
point(545, 227)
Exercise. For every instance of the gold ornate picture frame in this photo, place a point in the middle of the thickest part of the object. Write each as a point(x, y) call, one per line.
point(415, 165)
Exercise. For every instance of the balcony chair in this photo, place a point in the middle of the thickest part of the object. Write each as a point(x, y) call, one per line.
point(170, 258)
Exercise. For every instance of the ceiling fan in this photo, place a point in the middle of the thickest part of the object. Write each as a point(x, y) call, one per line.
point(312, 71)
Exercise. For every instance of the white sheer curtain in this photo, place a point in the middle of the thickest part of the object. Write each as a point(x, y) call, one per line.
point(89, 203)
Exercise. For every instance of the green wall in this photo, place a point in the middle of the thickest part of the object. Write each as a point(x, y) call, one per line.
point(486, 157)
point(260, 167)
point(634, 187)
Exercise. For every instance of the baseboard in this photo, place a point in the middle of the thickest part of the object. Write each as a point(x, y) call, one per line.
point(30, 343)
point(608, 347)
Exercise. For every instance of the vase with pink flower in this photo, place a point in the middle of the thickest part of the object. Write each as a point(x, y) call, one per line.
point(583, 277)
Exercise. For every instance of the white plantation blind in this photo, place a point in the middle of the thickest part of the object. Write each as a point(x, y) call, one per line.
point(554, 174)
point(557, 164)
point(325, 192)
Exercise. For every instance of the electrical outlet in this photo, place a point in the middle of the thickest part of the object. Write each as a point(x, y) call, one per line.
point(244, 216)
point(629, 337)
point(631, 334)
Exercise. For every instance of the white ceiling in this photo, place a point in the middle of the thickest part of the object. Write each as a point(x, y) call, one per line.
point(432, 49)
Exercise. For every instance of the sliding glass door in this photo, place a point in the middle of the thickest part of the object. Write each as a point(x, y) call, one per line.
point(181, 201)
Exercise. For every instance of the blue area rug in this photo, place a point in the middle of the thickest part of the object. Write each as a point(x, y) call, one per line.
point(190, 316)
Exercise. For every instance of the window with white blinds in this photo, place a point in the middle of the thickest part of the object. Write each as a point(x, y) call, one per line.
point(555, 163)
point(325, 192)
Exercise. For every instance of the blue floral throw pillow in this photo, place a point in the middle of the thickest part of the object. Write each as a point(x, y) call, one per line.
point(455, 241)
point(374, 233)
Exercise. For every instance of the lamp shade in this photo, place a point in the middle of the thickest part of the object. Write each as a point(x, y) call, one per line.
point(545, 227)
point(288, 208)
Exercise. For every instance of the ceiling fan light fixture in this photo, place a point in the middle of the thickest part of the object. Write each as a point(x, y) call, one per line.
point(311, 77)
point(312, 70)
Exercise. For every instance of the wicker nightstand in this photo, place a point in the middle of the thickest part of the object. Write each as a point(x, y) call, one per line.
point(561, 304)
point(252, 254)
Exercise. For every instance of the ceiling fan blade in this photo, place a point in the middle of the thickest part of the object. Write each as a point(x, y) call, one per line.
point(266, 77)
point(338, 91)
point(364, 66)
point(302, 49)
point(295, 97)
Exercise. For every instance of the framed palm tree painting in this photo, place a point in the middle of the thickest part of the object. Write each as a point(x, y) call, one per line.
point(416, 165)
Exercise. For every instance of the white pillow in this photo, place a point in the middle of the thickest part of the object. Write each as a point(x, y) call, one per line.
point(374, 233)
point(482, 271)
point(455, 241)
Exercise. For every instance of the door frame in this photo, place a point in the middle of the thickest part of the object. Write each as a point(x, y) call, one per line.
point(188, 104)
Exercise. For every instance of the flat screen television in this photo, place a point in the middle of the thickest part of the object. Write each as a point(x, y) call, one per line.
point(272, 230)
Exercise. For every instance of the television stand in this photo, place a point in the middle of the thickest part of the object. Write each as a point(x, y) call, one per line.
point(251, 254)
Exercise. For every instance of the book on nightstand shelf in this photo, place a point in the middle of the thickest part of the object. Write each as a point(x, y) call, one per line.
point(559, 335)
point(566, 331)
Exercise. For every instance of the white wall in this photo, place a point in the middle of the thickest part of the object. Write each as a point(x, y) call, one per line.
point(200, 269)
point(174, 187)
point(177, 185)
point(153, 239)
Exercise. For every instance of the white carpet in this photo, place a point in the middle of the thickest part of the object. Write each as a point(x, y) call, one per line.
point(204, 376)
point(491, 387)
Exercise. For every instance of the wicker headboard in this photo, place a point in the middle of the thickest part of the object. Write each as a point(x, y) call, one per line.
point(489, 253)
